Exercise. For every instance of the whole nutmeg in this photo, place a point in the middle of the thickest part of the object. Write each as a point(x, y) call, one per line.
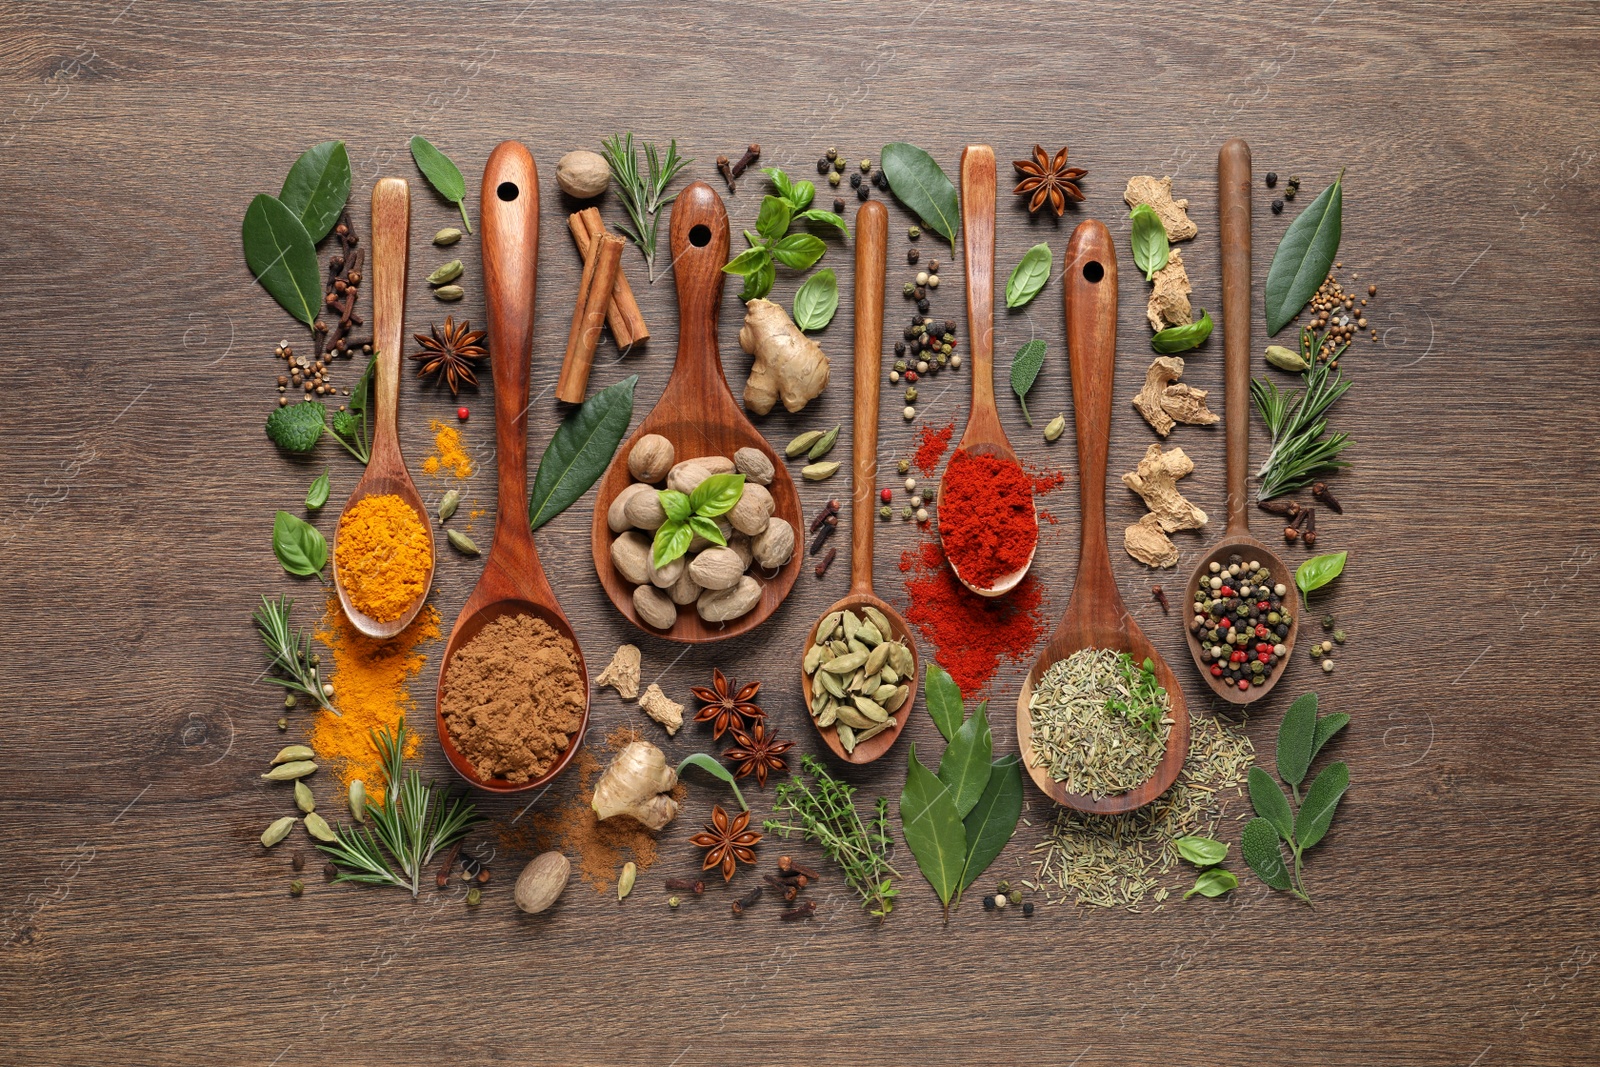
point(754, 465)
point(774, 546)
point(644, 511)
point(720, 605)
point(716, 568)
point(583, 174)
point(617, 513)
point(666, 577)
point(751, 511)
point(700, 544)
point(630, 554)
point(684, 590)
point(541, 882)
point(650, 458)
point(740, 543)
point(691, 472)
point(655, 608)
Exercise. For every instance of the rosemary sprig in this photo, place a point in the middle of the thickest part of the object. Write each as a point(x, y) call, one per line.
point(290, 651)
point(1300, 452)
point(826, 813)
point(642, 193)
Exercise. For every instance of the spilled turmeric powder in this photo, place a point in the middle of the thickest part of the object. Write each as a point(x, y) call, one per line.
point(448, 454)
point(383, 555)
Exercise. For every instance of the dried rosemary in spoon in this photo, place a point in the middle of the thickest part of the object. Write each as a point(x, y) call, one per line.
point(1099, 722)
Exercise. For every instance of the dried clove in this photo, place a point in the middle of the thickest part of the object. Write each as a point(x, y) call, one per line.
point(726, 170)
point(1160, 597)
point(804, 910)
point(787, 867)
point(789, 890)
point(826, 561)
point(1324, 494)
point(822, 535)
point(1308, 531)
point(751, 154)
point(450, 857)
point(684, 885)
point(746, 901)
point(1286, 508)
point(830, 508)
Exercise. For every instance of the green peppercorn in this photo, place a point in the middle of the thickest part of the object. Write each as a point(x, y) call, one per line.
point(833, 178)
point(906, 513)
point(914, 232)
point(886, 512)
point(866, 165)
point(283, 724)
point(1327, 622)
point(1014, 897)
point(474, 895)
point(900, 365)
point(911, 395)
point(910, 289)
point(296, 887)
point(838, 165)
point(904, 466)
point(288, 701)
point(673, 902)
point(1338, 636)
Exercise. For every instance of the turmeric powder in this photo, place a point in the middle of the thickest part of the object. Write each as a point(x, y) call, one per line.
point(449, 454)
point(383, 556)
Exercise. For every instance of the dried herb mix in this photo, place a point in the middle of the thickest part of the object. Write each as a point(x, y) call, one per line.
point(1099, 723)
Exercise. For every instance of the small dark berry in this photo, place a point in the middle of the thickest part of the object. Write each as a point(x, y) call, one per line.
point(912, 255)
point(1027, 909)
point(822, 167)
point(862, 192)
point(1277, 206)
point(899, 348)
point(838, 205)
point(922, 305)
point(988, 903)
point(1272, 178)
point(855, 181)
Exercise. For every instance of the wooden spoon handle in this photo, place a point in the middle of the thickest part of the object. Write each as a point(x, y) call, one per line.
point(1089, 291)
point(872, 251)
point(977, 233)
point(699, 251)
point(1233, 209)
point(391, 242)
point(509, 208)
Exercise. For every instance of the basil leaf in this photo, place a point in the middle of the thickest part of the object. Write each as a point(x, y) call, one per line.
point(317, 495)
point(675, 504)
point(943, 699)
point(1295, 734)
point(1025, 370)
point(716, 495)
point(1307, 250)
point(798, 251)
point(317, 187)
point(992, 821)
point(1214, 883)
point(1270, 803)
point(672, 540)
point(299, 546)
point(800, 195)
point(1259, 843)
point(704, 527)
point(1150, 245)
point(1202, 851)
point(713, 767)
point(748, 262)
point(297, 427)
point(1176, 339)
point(1327, 726)
point(773, 222)
point(443, 175)
point(817, 300)
point(1318, 571)
point(933, 829)
point(818, 215)
point(1322, 801)
point(282, 257)
point(580, 451)
point(758, 283)
point(919, 184)
point(964, 767)
point(1028, 276)
point(780, 180)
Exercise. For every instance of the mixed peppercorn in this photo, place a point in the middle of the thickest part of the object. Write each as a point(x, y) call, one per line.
point(1241, 622)
point(833, 166)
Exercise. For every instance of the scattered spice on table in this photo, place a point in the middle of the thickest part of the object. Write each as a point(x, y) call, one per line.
point(931, 446)
point(448, 456)
point(383, 555)
point(986, 517)
point(971, 634)
point(1100, 722)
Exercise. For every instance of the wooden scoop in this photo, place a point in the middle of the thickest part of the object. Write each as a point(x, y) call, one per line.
point(513, 582)
point(1233, 208)
point(1096, 617)
point(698, 414)
point(872, 240)
point(386, 470)
point(983, 435)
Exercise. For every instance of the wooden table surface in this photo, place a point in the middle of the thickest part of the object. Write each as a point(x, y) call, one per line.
point(1456, 917)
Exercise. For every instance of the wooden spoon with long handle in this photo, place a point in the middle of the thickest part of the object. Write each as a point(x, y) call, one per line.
point(872, 242)
point(513, 582)
point(1096, 616)
point(386, 473)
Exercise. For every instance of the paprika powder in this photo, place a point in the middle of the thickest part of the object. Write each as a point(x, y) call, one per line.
point(971, 634)
point(986, 517)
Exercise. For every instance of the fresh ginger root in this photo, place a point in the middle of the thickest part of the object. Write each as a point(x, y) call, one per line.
point(637, 783)
point(788, 363)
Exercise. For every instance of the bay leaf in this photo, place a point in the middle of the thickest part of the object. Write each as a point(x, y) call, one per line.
point(317, 187)
point(1304, 256)
point(943, 699)
point(992, 821)
point(282, 256)
point(580, 450)
point(932, 829)
point(918, 182)
point(964, 767)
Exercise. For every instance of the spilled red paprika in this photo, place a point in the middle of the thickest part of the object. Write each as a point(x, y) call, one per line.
point(986, 518)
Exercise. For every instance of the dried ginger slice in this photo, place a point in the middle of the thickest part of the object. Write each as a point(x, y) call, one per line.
point(1157, 192)
point(1169, 299)
point(1148, 543)
point(1156, 481)
point(1164, 401)
point(662, 708)
point(622, 673)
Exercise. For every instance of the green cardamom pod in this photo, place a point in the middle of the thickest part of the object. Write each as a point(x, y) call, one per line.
point(448, 505)
point(278, 831)
point(802, 444)
point(303, 798)
point(1286, 359)
point(449, 272)
point(630, 871)
point(816, 472)
point(447, 236)
point(292, 753)
point(1057, 427)
point(318, 827)
point(358, 800)
point(288, 772)
point(823, 445)
point(462, 543)
point(449, 292)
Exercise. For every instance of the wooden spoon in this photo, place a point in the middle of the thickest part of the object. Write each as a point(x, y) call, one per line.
point(513, 582)
point(1096, 617)
point(983, 435)
point(1233, 208)
point(386, 470)
point(698, 414)
point(872, 241)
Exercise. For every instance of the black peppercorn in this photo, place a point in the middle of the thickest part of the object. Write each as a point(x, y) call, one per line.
point(922, 304)
point(912, 255)
point(1277, 206)
point(899, 348)
point(855, 181)
point(838, 205)
point(920, 292)
point(988, 903)
point(862, 192)
point(1272, 178)
point(1027, 909)
point(822, 166)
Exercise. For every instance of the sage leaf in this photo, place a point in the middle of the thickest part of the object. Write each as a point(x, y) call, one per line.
point(1322, 801)
point(964, 767)
point(296, 427)
point(317, 495)
point(1175, 339)
point(828, 217)
point(299, 546)
point(1327, 726)
point(671, 541)
point(1202, 851)
point(1318, 571)
point(675, 504)
point(283, 257)
point(817, 300)
point(1259, 843)
point(919, 184)
point(1028, 276)
point(943, 699)
point(773, 222)
point(1295, 735)
point(717, 495)
point(1150, 246)
point(317, 187)
point(704, 527)
point(798, 251)
point(1270, 803)
point(1025, 367)
point(1214, 883)
point(443, 175)
point(1307, 250)
point(932, 829)
point(992, 821)
point(713, 767)
point(580, 451)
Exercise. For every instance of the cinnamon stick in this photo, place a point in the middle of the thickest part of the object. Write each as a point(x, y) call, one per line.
point(623, 316)
point(594, 296)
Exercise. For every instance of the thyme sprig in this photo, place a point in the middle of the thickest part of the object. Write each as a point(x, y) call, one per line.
point(642, 193)
point(825, 812)
point(1300, 451)
point(290, 651)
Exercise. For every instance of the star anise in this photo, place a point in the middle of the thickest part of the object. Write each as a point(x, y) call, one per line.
point(725, 707)
point(727, 841)
point(451, 353)
point(756, 753)
point(1048, 180)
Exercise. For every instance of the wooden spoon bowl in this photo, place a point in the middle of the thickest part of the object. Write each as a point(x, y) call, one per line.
point(983, 434)
point(1096, 616)
point(386, 473)
point(872, 241)
point(1233, 208)
point(513, 582)
point(698, 414)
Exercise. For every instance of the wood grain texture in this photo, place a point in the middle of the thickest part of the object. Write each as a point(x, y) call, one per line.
point(1456, 895)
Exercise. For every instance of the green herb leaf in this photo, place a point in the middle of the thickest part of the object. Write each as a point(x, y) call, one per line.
point(1175, 339)
point(798, 251)
point(1150, 246)
point(704, 527)
point(1322, 801)
point(933, 829)
point(773, 222)
point(675, 504)
point(672, 540)
point(964, 767)
point(580, 451)
point(801, 194)
point(992, 821)
point(1202, 851)
point(443, 175)
point(1307, 250)
point(943, 699)
point(1295, 735)
point(759, 274)
point(817, 300)
point(283, 257)
point(780, 181)
point(643, 193)
point(1025, 370)
point(297, 427)
point(713, 767)
point(717, 495)
point(317, 495)
point(748, 262)
point(299, 546)
point(1028, 276)
point(1259, 843)
point(1270, 803)
point(317, 187)
point(920, 185)
point(350, 427)
point(1318, 571)
point(1214, 883)
point(1300, 451)
point(1327, 726)
point(827, 217)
